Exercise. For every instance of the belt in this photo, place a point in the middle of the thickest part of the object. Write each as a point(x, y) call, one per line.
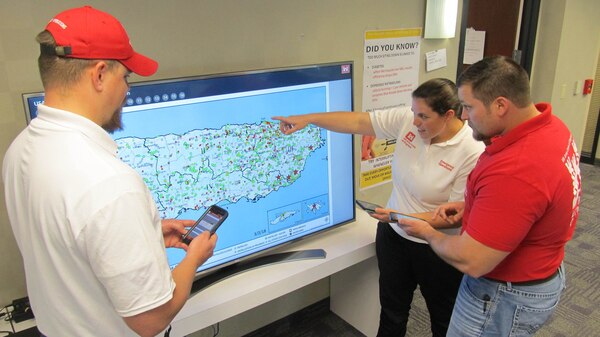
point(525, 283)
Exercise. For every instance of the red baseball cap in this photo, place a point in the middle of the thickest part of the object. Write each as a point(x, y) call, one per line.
point(88, 33)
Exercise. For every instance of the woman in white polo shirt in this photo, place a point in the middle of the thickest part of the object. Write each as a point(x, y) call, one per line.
point(435, 152)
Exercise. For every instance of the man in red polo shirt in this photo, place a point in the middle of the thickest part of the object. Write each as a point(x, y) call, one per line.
point(521, 206)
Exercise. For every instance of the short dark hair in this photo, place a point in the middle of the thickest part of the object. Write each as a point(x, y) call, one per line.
point(60, 71)
point(440, 94)
point(497, 76)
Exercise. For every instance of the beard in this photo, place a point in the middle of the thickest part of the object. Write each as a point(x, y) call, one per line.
point(480, 136)
point(115, 123)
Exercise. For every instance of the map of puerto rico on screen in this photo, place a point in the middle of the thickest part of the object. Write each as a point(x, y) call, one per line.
point(203, 167)
point(229, 152)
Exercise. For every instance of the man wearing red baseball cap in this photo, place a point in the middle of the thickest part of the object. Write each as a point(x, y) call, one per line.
point(87, 227)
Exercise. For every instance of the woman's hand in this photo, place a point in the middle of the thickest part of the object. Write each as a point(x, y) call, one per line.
point(451, 212)
point(381, 214)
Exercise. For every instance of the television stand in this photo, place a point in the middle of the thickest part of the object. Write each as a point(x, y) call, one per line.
point(350, 265)
point(257, 262)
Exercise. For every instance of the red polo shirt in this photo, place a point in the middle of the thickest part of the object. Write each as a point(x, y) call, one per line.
point(523, 197)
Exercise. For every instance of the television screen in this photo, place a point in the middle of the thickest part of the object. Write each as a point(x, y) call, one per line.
point(199, 141)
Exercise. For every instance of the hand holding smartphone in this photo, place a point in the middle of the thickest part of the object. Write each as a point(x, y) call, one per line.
point(369, 207)
point(212, 218)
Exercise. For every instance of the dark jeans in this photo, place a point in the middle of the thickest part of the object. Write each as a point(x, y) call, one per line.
point(404, 264)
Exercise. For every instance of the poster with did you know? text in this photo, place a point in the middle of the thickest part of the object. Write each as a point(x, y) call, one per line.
point(390, 75)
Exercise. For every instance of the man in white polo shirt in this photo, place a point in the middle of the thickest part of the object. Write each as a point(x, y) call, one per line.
point(92, 242)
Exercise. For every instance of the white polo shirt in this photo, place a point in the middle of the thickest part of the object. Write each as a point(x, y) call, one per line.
point(87, 227)
point(425, 175)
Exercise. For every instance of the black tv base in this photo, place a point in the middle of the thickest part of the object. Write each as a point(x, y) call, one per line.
point(260, 261)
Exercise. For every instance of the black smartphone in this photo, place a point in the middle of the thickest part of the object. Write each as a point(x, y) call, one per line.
point(367, 206)
point(209, 221)
point(395, 216)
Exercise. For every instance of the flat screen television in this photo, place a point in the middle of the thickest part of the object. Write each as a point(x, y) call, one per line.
point(198, 141)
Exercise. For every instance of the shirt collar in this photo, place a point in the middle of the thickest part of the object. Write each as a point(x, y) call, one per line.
point(501, 142)
point(76, 123)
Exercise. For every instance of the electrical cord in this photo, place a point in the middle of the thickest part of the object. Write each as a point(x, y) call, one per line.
point(5, 308)
point(8, 318)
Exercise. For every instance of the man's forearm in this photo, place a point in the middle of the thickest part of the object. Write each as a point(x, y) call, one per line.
point(464, 253)
point(447, 248)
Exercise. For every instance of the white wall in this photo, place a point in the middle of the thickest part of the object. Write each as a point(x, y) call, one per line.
point(567, 50)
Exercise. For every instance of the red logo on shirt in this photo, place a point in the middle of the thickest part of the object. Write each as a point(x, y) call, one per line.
point(446, 165)
point(571, 161)
point(407, 140)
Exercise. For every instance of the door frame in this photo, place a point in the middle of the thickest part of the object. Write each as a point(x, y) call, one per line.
point(592, 158)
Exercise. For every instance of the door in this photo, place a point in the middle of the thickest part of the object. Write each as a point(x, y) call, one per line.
point(509, 26)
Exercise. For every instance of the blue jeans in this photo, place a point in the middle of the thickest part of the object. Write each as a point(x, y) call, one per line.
point(486, 308)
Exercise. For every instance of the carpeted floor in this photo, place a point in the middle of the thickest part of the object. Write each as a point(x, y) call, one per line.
point(578, 314)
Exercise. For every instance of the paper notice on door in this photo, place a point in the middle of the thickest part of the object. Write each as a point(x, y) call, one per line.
point(474, 44)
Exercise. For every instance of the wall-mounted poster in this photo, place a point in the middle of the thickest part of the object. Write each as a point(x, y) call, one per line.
point(390, 75)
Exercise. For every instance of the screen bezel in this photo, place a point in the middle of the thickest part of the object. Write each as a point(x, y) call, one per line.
point(31, 98)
